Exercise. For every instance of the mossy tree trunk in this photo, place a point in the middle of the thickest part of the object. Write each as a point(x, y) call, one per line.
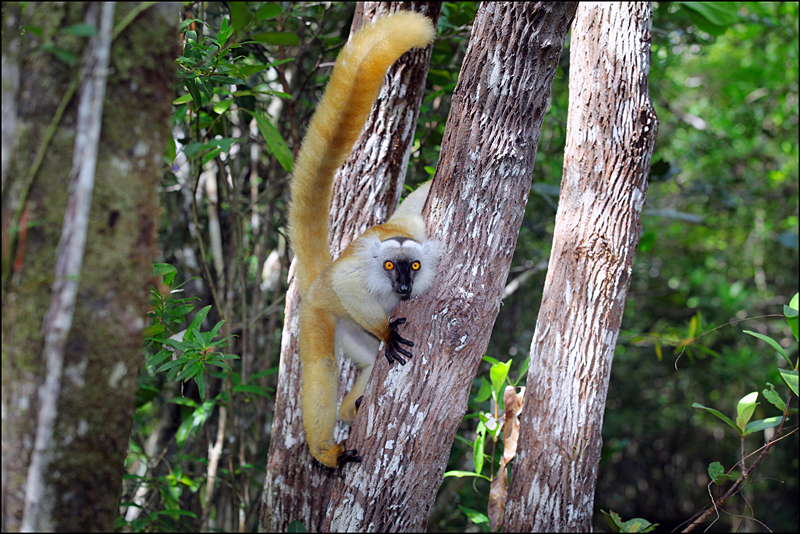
point(101, 356)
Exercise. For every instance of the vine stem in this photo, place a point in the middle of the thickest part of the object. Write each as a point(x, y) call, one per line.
point(735, 488)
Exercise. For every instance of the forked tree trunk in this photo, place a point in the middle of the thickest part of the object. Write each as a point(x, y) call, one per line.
point(611, 131)
point(93, 329)
point(410, 414)
point(366, 190)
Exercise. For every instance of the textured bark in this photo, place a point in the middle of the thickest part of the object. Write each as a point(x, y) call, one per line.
point(611, 131)
point(102, 354)
point(410, 414)
point(366, 189)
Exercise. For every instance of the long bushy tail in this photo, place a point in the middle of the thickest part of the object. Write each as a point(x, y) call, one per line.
point(335, 126)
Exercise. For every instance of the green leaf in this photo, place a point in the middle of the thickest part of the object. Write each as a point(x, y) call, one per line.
point(183, 401)
point(186, 23)
point(717, 473)
point(199, 416)
point(268, 10)
point(256, 390)
point(240, 15)
point(718, 414)
point(224, 33)
point(523, 371)
point(790, 379)
point(206, 87)
point(632, 525)
point(200, 378)
point(208, 156)
point(774, 398)
point(791, 313)
point(216, 329)
point(499, 372)
point(497, 375)
point(227, 80)
point(717, 13)
point(190, 371)
point(459, 474)
point(182, 99)
point(62, 55)
point(170, 153)
point(477, 452)
point(81, 30)
point(191, 86)
point(490, 360)
point(774, 344)
point(219, 363)
point(153, 330)
point(613, 520)
point(745, 409)
point(33, 29)
point(484, 392)
point(275, 142)
point(761, 424)
point(173, 364)
point(159, 357)
point(249, 70)
point(277, 38)
point(296, 526)
point(270, 371)
point(180, 311)
point(474, 515)
point(199, 317)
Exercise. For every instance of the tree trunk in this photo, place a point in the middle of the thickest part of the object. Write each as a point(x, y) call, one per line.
point(410, 414)
point(611, 131)
point(366, 190)
point(82, 463)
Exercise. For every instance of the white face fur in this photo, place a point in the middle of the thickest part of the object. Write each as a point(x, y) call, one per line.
point(397, 262)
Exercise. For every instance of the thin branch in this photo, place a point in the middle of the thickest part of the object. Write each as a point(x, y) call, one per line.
point(745, 472)
point(214, 453)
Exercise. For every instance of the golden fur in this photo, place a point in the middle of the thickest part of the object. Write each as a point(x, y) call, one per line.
point(340, 302)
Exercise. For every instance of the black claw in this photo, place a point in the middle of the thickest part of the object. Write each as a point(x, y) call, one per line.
point(393, 349)
point(358, 402)
point(350, 455)
point(392, 356)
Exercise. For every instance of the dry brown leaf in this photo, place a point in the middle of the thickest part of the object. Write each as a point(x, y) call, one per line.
point(513, 405)
point(497, 500)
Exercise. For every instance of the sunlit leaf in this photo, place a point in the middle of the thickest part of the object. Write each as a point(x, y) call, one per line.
point(745, 409)
point(790, 379)
point(717, 473)
point(277, 38)
point(774, 344)
point(718, 414)
point(761, 424)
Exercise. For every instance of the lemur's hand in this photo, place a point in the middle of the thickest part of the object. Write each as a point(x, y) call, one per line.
point(393, 348)
point(349, 455)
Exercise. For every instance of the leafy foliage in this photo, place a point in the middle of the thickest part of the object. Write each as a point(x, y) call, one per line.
point(719, 244)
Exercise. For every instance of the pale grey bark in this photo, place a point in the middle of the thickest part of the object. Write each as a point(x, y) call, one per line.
point(611, 131)
point(410, 414)
point(366, 189)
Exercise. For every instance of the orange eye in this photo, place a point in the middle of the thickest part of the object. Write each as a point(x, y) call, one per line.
point(415, 266)
point(388, 266)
